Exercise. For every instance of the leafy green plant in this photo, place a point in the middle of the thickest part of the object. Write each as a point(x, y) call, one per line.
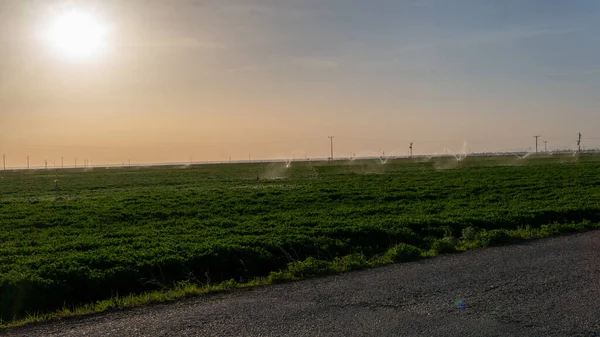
point(444, 245)
point(401, 253)
point(469, 233)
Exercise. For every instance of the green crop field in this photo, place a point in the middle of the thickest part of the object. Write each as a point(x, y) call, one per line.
point(121, 231)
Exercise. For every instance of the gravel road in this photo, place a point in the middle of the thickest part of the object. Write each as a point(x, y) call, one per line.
point(545, 288)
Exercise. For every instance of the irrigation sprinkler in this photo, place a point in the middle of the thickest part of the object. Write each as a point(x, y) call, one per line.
point(56, 187)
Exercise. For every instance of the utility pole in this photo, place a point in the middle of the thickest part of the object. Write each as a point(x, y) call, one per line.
point(579, 143)
point(75, 162)
point(545, 146)
point(62, 162)
point(4, 161)
point(536, 143)
point(28, 162)
point(331, 141)
point(46, 163)
point(410, 147)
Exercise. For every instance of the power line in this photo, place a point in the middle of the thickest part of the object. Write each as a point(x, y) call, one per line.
point(168, 147)
point(555, 143)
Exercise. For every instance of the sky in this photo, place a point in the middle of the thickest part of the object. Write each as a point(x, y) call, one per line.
point(211, 80)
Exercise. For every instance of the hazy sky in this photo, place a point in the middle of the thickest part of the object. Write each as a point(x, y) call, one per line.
point(219, 79)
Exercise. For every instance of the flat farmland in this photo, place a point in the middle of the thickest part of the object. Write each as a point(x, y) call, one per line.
point(103, 233)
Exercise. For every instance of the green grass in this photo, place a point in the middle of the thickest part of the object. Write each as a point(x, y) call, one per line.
point(121, 237)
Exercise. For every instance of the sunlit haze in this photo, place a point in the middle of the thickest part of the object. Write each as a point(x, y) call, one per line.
point(77, 34)
point(174, 81)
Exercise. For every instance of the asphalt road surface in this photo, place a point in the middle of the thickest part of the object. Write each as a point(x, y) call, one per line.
point(544, 288)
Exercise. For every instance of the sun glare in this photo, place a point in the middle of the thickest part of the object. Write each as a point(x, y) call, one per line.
point(77, 35)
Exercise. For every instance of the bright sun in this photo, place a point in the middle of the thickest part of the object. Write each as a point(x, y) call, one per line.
point(78, 35)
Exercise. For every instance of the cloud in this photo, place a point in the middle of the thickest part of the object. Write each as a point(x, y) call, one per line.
point(514, 34)
point(288, 10)
point(481, 37)
point(584, 71)
point(250, 8)
point(191, 43)
point(314, 63)
point(306, 63)
point(252, 67)
point(421, 3)
point(178, 42)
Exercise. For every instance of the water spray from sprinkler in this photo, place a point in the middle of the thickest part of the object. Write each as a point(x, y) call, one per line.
point(462, 155)
point(383, 158)
point(524, 156)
